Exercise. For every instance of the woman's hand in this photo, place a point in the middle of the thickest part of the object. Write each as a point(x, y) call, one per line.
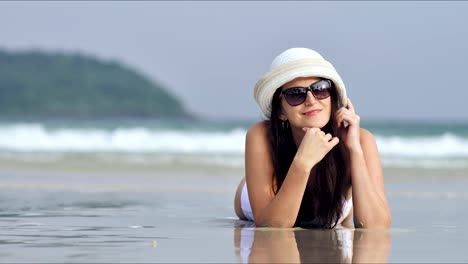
point(314, 146)
point(350, 134)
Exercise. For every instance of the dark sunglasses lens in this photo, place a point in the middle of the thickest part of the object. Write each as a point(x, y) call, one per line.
point(295, 96)
point(321, 89)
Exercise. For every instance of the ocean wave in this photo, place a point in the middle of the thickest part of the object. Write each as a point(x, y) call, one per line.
point(166, 146)
point(444, 145)
point(35, 137)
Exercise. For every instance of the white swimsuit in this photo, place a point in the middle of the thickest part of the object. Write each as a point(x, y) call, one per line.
point(247, 209)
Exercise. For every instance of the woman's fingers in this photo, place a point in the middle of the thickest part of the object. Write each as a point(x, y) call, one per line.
point(318, 132)
point(350, 106)
point(340, 116)
point(314, 146)
point(347, 116)
point(333, 142)
point(312, 129)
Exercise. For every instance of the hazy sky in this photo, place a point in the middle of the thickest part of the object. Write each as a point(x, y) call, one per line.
point(405, 60)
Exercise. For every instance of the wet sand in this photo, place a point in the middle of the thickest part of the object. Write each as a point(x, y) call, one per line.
point(75, 211)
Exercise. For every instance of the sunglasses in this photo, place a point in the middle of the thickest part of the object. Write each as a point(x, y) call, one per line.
point(297, 95)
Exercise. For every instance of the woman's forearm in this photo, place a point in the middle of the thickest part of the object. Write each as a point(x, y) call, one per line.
point(283, 210)
point(370, 207)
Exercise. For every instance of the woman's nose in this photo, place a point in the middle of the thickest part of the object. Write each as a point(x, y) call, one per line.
point(310, 99)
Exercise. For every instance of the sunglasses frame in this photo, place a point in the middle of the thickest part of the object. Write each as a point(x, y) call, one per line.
point(309, 88)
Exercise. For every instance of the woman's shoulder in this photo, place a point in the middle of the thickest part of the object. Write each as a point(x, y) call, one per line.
point(366, 135)
point(258, 129)
point(257, 135)
point(368, 142)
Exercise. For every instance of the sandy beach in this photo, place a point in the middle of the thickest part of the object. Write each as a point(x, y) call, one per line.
point(85, 211)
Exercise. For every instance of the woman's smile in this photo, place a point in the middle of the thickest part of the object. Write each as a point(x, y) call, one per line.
point(313, 112)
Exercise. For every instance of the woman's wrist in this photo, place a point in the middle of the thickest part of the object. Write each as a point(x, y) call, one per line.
point(301, 166)
point(355, 149)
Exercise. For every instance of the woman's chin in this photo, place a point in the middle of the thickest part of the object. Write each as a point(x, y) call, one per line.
point(315, 124)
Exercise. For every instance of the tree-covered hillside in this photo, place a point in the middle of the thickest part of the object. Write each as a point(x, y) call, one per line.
point(39, 84)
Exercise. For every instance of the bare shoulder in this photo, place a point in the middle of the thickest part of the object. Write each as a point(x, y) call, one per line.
point(258, 129)
point(257, 133)
point(257, 150)
point(371, 152)
point(366, 133)
point(366, 137)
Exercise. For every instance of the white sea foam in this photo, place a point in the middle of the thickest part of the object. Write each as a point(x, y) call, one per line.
point(34, 137)
point(170, 146)
point(445, 145)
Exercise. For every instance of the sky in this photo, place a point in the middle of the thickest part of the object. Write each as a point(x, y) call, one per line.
point(399, 60)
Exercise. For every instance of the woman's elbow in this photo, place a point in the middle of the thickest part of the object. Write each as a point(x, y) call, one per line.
point(275, 223)
point(383, 223)
point(388, 221)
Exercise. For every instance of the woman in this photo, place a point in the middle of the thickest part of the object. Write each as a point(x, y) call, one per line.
point(309, 164)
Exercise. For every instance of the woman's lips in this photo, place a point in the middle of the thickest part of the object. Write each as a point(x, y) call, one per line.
point(312, 112)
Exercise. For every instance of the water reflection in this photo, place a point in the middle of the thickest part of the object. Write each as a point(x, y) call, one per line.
point(340, 245)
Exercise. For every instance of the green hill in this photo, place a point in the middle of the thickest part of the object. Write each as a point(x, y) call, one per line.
point(39, 84)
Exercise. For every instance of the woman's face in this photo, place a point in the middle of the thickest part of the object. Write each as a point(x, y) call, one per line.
point(312, 113)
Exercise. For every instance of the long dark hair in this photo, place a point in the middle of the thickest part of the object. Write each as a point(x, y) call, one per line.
point(322, 202)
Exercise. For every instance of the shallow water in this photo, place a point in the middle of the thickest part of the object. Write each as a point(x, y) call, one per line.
point(176, 216)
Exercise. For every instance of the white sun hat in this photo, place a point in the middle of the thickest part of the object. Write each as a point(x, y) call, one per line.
point(291, 64)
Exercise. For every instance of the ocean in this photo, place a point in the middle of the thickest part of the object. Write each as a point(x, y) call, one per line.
point(162, 191)
point(401, 144)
